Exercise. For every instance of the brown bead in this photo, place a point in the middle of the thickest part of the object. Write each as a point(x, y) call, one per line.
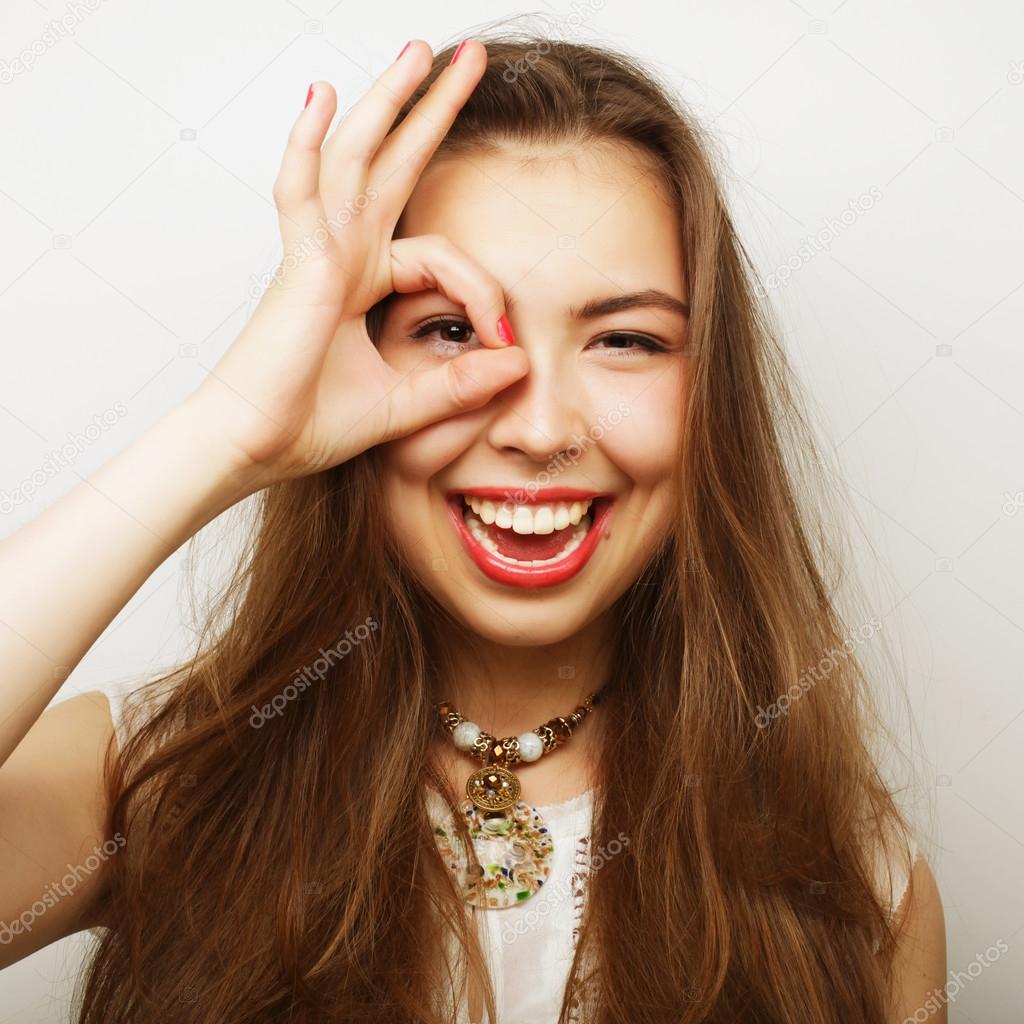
point(561, 728)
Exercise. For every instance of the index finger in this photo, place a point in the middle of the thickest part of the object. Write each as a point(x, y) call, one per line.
point(435, 263)
point(352, 145)
point(407, 150)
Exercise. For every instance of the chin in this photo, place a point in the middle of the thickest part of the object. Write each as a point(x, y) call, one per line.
point(522, 623)
point(525, 616)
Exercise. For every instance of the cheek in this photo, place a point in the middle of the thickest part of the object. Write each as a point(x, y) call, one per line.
point(644, 443)
point(412, 461)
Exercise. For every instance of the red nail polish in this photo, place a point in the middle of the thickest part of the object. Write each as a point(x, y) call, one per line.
point(404, 48)
point(455, 56)
point(309, 96)
point(505, 331)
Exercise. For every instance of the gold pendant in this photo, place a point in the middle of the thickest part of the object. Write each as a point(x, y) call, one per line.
point(493, 788)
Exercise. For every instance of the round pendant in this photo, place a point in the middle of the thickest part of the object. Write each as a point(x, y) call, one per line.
point(493, 788)
point(515, 852)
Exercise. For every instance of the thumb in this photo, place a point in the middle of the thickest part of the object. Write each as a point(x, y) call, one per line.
point(466, 382)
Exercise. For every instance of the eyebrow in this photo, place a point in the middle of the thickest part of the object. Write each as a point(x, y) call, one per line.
point(648, 298)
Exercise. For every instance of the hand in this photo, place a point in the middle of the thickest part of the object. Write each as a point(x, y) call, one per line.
point(303, 387)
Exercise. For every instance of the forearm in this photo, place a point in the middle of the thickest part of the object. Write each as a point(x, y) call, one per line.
point(66, 575)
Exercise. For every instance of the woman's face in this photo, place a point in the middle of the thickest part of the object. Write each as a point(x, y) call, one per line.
point(587, 251)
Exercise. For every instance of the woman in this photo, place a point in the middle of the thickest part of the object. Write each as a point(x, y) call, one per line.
point(531, 601)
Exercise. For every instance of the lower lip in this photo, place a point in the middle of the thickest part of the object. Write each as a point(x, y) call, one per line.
point(531, 576)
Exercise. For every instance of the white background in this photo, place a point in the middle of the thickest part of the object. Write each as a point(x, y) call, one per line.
point(139, 154)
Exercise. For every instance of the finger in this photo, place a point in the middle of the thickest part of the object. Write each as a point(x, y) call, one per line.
point(434, 263)
point(407, 150)
point(358, 136)
point(297, 186)
point(466, 382)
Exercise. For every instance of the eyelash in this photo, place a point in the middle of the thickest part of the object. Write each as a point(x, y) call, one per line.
point(645, 342)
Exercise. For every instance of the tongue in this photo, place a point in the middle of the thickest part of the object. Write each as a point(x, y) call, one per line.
point(528, 547)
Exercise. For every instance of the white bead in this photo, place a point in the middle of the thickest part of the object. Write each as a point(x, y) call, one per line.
point(531, 746)
point(465, 734)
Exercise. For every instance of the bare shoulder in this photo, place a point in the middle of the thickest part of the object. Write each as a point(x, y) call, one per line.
point(919, 968)
point(53, 816)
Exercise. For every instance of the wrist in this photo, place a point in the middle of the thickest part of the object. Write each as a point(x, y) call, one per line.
point(218, 475)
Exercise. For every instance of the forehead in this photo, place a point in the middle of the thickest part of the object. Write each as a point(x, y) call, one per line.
point(596, 215)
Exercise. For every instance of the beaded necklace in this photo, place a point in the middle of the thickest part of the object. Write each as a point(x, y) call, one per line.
point(512, 841)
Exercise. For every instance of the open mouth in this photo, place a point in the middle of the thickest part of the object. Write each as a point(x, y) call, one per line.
point(541, 541)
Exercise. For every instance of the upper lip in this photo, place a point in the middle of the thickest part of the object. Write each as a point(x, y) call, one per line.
point(526, 494)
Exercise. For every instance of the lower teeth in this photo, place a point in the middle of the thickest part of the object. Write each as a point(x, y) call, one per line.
point(483, 538)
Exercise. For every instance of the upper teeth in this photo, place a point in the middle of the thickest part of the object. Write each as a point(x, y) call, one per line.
point(532, 518)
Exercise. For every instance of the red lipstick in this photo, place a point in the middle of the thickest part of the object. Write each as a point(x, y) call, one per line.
point(527, 493)
point(502, 570)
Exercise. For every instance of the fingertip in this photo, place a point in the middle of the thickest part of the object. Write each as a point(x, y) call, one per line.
point(311, 125)
point(514, 362)
point(318, 95)
point(505, 330)
point(415, 51)
point(469, 50)
point(314, 94)
point(507, 363)
point(414, 46)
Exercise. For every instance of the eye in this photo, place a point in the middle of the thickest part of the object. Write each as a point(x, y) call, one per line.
point(625, 343)
point(454, 333)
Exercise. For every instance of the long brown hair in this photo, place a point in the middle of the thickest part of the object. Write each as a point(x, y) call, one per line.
point(280, 862)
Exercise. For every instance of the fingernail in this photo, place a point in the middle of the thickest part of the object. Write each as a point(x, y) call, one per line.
point(455, 56)
point(404, 48)
point(505, 331)
point(309, 96)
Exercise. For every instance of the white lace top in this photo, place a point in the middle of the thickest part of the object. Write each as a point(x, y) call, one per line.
point(530, 945)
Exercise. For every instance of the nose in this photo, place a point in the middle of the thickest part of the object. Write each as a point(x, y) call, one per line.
point(539, 414)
